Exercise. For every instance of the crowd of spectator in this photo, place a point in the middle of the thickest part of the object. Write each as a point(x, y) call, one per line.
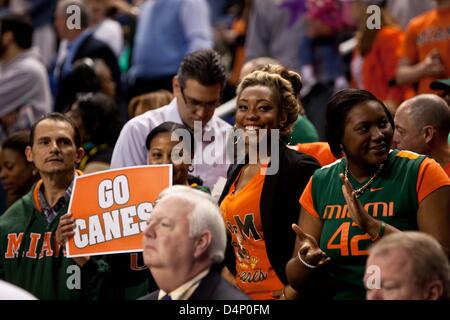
point(357, 92)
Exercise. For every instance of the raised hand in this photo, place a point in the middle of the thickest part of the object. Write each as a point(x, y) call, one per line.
point(357, 212)
point(433, 66)
point(309, 252)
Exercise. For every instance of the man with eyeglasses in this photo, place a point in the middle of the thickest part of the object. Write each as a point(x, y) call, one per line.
point(197, 88)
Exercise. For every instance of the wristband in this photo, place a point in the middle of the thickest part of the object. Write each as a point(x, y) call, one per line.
point(304, 262)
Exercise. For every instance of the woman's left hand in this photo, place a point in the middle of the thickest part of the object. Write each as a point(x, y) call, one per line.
point(287, 293)
point(357, 212)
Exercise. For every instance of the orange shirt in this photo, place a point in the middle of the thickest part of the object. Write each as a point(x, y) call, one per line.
point(426, 32)
point(447, 169)
point(380, 65)
point(430, 178)
point(255, 276)
point(319, 150)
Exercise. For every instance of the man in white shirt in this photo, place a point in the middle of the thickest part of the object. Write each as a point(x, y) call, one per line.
point(197, 89)
point(184, 239)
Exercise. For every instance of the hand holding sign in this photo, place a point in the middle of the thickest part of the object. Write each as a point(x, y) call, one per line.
point(65, 229)
point(110, 209)
point(64, 232)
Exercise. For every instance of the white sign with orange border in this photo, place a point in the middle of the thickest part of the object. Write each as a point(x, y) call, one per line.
point(111, 208)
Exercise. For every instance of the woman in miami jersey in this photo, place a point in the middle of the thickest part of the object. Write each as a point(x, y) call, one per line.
point(370, 192)
point(258, 207)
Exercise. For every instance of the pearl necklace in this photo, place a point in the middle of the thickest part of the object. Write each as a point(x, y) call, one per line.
point(360, 191)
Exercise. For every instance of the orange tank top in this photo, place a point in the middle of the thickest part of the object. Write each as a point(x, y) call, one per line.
point(255, 276)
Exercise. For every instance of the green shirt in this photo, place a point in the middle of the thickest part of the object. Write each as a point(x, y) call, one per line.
point(31, 259)
point(303, 131)
point(392, 197)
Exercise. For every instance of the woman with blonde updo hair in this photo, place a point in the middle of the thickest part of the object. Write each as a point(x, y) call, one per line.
point(260, 199)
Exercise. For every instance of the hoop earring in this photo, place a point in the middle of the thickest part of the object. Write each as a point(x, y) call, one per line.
point(190, 169)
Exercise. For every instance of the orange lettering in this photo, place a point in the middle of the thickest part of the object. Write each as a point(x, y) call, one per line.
point(354, 248)
point(46, 246)
point(345, 212)
point(391, 209)
point(375, 206)
point(14, 242)
point(330, 209)
point(343, 243)
point(33, 245)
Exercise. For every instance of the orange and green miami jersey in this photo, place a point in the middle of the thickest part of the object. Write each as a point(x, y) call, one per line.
point(393, 197)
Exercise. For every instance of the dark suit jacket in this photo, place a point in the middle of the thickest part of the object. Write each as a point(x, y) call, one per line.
point(279, 207)
point(212, 287)
point(95, 49)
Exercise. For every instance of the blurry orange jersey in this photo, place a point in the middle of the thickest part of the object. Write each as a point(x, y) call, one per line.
point(426, 32)
point(319, 150)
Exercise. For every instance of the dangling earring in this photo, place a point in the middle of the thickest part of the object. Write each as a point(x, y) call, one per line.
point(190, 169)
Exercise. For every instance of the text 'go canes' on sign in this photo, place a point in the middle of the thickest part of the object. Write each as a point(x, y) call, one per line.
point(111, 208)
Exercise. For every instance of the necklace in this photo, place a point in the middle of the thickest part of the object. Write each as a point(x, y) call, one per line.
point(360, 191)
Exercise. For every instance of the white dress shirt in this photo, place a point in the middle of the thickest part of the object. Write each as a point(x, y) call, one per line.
point(186, 290)
point(130, 149)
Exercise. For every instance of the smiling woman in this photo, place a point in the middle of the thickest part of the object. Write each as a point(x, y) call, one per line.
point(370, 192)
point(259, 207)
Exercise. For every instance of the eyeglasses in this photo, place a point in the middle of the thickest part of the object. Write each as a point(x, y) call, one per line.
point(193, 103)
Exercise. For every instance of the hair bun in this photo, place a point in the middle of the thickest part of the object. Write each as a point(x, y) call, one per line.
point(295, 80)
point(291, 76)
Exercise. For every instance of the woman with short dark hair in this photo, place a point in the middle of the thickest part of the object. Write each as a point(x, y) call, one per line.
point(370, 192)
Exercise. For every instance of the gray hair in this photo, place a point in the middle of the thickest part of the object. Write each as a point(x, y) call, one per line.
point(205, 215)
point(429, 109)
point(429, 261)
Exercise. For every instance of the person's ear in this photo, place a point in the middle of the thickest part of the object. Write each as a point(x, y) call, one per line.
point(435, 290)
point(29, 154)
point(175, 84)
point(202, 244)
point(79, 155)
point(428, 133)
point(8, 37)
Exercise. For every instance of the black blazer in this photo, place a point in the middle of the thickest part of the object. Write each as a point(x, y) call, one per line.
point(279, 207)
point(212, 287)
